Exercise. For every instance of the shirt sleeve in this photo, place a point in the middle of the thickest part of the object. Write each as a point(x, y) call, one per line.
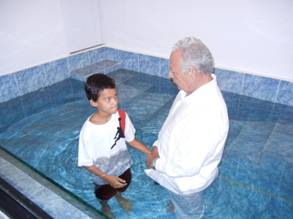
point(129, 129)
point(191, 148)
point(156, 143)
point(84, 149)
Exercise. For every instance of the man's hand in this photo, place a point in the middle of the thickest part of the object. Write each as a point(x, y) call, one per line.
point(152, 156)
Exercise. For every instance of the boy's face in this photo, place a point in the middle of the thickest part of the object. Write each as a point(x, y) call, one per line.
point(107, 102)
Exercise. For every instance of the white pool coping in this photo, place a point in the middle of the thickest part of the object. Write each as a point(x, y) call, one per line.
point(48, 200)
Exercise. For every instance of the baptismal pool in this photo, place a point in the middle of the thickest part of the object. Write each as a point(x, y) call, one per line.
point(255, 178)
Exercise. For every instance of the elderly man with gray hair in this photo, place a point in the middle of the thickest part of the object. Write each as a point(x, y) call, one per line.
point(190, 144)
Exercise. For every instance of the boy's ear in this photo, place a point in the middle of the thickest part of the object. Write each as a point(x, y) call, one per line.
point(94, 103)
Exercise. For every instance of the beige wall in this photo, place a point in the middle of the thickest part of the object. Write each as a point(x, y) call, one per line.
point(252, 36)
point(33, 32)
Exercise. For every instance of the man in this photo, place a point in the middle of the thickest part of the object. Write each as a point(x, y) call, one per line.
point(190, 143)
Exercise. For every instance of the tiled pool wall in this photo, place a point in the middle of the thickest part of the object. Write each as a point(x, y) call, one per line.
point(28, 80)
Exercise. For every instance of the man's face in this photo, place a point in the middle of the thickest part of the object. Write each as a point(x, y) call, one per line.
point(107, 101)
point(180, 78)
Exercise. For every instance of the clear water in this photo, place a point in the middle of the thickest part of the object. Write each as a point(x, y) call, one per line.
point(256, 172)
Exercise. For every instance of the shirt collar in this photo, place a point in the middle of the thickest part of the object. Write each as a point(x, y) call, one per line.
point(200, 90)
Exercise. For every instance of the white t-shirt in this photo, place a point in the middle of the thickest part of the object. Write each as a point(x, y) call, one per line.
point(191, 141)
point(100, 145)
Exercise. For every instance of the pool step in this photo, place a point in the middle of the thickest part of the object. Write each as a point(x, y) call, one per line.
point(104, 66)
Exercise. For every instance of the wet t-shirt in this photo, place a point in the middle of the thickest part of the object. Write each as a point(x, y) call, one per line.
point(103, 146)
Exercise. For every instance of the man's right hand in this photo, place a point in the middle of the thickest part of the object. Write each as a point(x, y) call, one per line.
point(153, 156)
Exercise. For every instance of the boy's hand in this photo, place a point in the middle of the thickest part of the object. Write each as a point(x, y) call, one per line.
point(115, 181)
point(152, 156)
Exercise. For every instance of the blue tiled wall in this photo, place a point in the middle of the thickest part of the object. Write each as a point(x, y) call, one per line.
point(28, 80)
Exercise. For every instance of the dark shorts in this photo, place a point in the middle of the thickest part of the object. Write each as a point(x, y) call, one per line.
point(105, 192)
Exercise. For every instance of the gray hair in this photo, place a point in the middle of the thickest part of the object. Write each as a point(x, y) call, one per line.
point(195, 54)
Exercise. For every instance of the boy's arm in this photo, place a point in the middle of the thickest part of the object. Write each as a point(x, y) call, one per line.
point(114, 181)
point(139, 146)
point(151, 155)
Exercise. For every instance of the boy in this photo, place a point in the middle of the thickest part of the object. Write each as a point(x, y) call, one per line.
point(102, 148)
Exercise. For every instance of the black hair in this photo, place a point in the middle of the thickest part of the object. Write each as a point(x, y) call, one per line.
point(96, 83)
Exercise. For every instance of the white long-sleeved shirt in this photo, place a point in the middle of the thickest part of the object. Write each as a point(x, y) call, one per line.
point(191, 141)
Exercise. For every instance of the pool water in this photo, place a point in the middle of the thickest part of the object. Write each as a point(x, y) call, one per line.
point(255, 179)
